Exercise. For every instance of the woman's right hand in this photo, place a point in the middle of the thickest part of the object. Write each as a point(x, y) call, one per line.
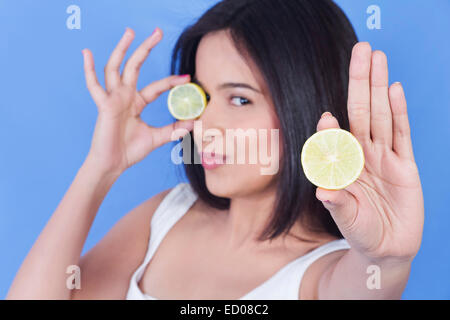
point(121, 138)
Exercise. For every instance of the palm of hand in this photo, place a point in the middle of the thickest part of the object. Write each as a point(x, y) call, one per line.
point(381, 214)
point(389, 214)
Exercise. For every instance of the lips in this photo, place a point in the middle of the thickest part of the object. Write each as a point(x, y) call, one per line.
point(211, 160)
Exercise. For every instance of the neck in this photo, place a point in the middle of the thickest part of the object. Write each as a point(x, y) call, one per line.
point(247, 217)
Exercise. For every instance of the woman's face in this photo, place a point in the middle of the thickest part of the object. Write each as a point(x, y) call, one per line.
point(230, 108)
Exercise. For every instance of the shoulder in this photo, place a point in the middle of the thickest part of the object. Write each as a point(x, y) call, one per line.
point(107, 267)
point(316, 271)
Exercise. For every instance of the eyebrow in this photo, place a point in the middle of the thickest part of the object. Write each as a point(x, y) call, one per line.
point(229, 85)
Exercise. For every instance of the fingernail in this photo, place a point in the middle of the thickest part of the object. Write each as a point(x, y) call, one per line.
point(326, 114)
point(184, 75)
point(154, 31)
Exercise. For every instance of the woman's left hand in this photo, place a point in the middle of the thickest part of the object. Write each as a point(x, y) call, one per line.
point(381, 214)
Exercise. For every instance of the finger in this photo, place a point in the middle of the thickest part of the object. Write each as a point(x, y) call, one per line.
point(133, 65)
point(342, 205)
point(358, 103)
point(112, 72)
point(327, 121)
point(156, 88)
point(94, 87)
point(402, 144)
point(380, 109)
point(172, 132)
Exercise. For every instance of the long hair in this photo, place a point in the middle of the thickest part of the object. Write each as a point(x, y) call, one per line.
point(303, 49)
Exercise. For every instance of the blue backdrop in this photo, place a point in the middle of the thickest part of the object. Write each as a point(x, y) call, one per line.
point(47, 115)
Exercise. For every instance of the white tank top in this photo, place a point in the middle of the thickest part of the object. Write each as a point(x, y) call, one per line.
point(284, 284)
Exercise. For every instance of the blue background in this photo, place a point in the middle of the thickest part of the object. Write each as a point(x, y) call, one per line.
point(47, 115)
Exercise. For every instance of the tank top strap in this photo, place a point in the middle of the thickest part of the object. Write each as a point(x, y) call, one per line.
point(173, 206)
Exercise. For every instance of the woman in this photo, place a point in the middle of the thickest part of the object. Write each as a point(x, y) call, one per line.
point(232, 232)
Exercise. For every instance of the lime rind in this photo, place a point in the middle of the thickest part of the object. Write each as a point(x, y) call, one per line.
point(323, 172)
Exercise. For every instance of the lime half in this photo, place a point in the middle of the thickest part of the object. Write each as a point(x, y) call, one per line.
point(332, 159)
point(186, 101)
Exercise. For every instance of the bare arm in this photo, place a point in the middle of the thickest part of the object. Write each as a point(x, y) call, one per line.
point(43, 272)
point(120, 140)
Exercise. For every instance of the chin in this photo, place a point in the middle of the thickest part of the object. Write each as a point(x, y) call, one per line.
point(231, 182)
point(219, 184)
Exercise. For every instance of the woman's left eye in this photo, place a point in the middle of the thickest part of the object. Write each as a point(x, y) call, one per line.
point(241, 100)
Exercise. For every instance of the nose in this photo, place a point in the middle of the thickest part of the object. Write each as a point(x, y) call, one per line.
point(212, 125)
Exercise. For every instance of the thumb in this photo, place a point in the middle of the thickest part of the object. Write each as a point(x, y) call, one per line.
point(172, 132)
point(342, 206)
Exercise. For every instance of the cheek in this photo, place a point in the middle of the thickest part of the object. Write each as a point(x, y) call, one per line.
point(261, 153)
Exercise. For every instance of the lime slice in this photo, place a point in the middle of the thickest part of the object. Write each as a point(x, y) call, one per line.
point(186, 101)
point(332, 159)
